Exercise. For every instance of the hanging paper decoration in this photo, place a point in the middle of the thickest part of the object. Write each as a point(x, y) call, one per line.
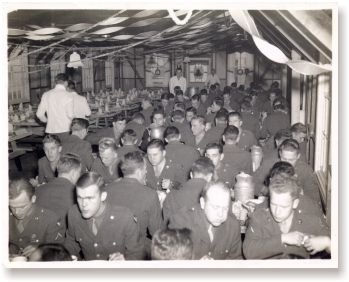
point(74, 61)
point(273, 53)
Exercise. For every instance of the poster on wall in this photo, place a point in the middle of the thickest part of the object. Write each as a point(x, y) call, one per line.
point(198, 70)
point(157, 70)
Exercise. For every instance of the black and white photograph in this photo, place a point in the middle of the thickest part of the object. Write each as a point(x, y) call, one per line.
point(164, 136)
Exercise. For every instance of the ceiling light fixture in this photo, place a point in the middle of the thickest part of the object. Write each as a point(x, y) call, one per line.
point(75, 61)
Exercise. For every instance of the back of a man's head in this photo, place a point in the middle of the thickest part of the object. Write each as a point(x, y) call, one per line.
point(129, 137)
point(17, 185)
point(172, 244)
point(202, 167)
point(61, 78)
point(68, 163)
point(230, 134)
point(131, 162)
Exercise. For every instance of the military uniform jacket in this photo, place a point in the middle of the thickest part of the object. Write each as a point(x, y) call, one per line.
point(188, 196)
point(45, 172)
point(82, 148)
point(182, 154)
point(137, 128)
point(250, 121)
point(227, 239)
point(118, 232)
point(100, 168)
point(247, 140)
point(171, 170)
point(187, 136)
point(225, 173)
point(123, 150)
point(147, 115)
point(43, 227)
point(201, 146)
point(263, 235)
point(141, 200)
point(274, 122)
point(239, 159)
point(215, 133)
point(58, 196)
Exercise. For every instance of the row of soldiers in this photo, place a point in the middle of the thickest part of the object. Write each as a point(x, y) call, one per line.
point(112, 205)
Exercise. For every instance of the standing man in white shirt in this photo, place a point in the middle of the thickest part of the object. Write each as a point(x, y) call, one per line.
point(81, 107)
point(56, 108)
point(178, 80)
point(212, 78)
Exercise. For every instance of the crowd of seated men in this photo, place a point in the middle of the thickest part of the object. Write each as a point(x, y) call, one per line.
point(162, 183)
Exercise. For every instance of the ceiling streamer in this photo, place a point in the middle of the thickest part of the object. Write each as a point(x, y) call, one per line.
point(273, 53)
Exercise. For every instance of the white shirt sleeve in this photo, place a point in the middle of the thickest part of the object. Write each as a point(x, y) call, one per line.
point(40, 113)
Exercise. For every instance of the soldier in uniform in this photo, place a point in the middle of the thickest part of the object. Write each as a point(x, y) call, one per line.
point(281, 230)
point(224, 172)
point(299, 133)
point(249, 118)
point(99, 230)
point(163, 174)
point(190, 113)
point(195, 103)
point(178, 120)
point(215, 230)
point(198, 125)
point(131, 192)
point(107, 163)
point(30, 224)
point(115, 132)
point(47, 165)
point(76, 144)
point(58, 195)
point(221, 119)
point(246, 138)
point(178, 152)
point(128, 141)
point(189, 193)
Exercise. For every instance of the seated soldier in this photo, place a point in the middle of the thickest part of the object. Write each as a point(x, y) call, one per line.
point(221, 120)
point(224, 172)
point(137, 124)
point(98, 230)
point(129, 143)
point(189, 193)
point(228, 103)
point(217, 104)
point(180, 153)
point(172, 244)
point(246, 138)
point(115, 132)
point(239, 159)
point(58, 195)
point(30, 224)
point(280, 231)
point(195, 103)
point(131, 192)
point(76, 144)
point(47, 165)
point(107, 162)
point(205, 102)
point(250, 119)
point(299, 133)
point(215, 230)
point(147, 110)
point(162, 173)
point(178, 120)
point(201, 138)
point(190, 113)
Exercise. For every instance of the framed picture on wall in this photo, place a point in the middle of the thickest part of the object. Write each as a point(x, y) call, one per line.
point(157, 70)
point(198, 70)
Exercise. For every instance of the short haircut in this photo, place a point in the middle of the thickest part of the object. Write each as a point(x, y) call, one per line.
point(61, 77)
point(158, 111)
point(235, 114)
point(217, 146)
point(299, 128)
point(214, 185)
point(71, 84)
point(231, 132)
point(90, 178)
point(289, 145)
point(201, 119)
point(192, 110)
point(171, 132)
point(53, 252)
point(79, 123)
point(234, 84)
point(107, 143)
point(171, 96)
point(131, 162)
point(178, 91)
point(280, 169)
point(172, 244)
point(285, 185)
point(212, 87)
point(119, 117)
point(195, 97)
point(52, 138)
point(283, 134)
point(156, 143)
point(17, 185)
point(129, 136)
point(177, 114)
point(165, 96)
point(203, 166)
point(203, 92)
point(68, 162)
point(222, 115)
point(139, 117)
point(219, 101)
